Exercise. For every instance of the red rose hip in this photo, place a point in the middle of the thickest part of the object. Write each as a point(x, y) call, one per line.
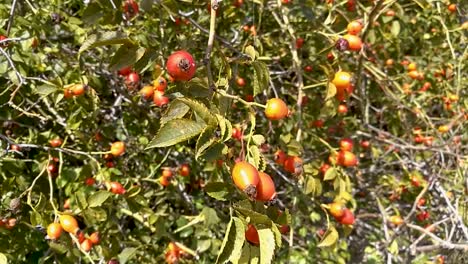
point(181, 66)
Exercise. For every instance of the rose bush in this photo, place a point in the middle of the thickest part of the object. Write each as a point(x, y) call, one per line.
point(278, 131)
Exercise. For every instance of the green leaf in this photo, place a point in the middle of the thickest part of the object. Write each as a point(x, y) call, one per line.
point(258, 139)
point(58, 248)
point(215, 152)
point(35, 218)
point(255, 217)
point(80, 199)
point(176, 131)
point(202, 111)
point(313, 186)
point(250, 50)
point(92, 13)
point(395, 28)
point(393, 248)
point(277, 234)
point(95, 215)
point(245, 255)
point(127, 254)
point(98, 198)
point(102, 39)
point(176, 110)
point(267, 245)
point(225, 128)
point(330, 238)
point(261, 77)
point(234, 238)
point(46, 89)
point(210, 216)
point(205, 140)
point(254, 157)
point(331, 91)
point(330, 174)
point(126, 55)
point(217, 190)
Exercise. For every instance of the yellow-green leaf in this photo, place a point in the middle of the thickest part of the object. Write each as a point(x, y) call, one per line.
point(176, 131)
point(330, 238)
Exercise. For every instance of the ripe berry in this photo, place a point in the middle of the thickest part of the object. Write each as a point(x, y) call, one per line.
point(276, 109)
point(421, 202)
point(251, 235)
point(172, 253)
point(354, 42)
point(125, 71)
point(354, 27)
point(132, 80)
point(318, 123)
point(159, 99)
point(390, 13)
point(160, 84)
point(365, 144)
point(421, 216)
point(131, 8)
point(342, 82)
point(396, 220)
point(181, 66)
point(324, 168)
point(167, 173)
point(337, 210)
point(265, 188)
point(78, 89)
point(293, 164)
point(184, 170)
point(80, 236)
point(249, 98)
point(56, 142)
point(52, 168)
point(95, 238)
point(346, 144)
point(280, 157)
point(66, 204)
point(10, 223)
point(86, 245)
point(164, 181)
point(69, 224)
point(413, 74)
point(342, 109)
point(346, 158)
point(54, 230)
point(240, 81)
point(284, 229)
point(299, 43)
point(4, 44)
point(147, 92)
point(246, 178)
point(308, 68)
point(347, 218)
point(236, 133)
point(15, 147)
point(67, 93)
point(117, 188)
point(452, 8)
point(443, 129)
point(90, 181)
point(238, 3)
point(117, 148)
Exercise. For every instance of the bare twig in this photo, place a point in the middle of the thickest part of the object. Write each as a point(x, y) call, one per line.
point(209, 46)
point(441, 243)
point(10, 19)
